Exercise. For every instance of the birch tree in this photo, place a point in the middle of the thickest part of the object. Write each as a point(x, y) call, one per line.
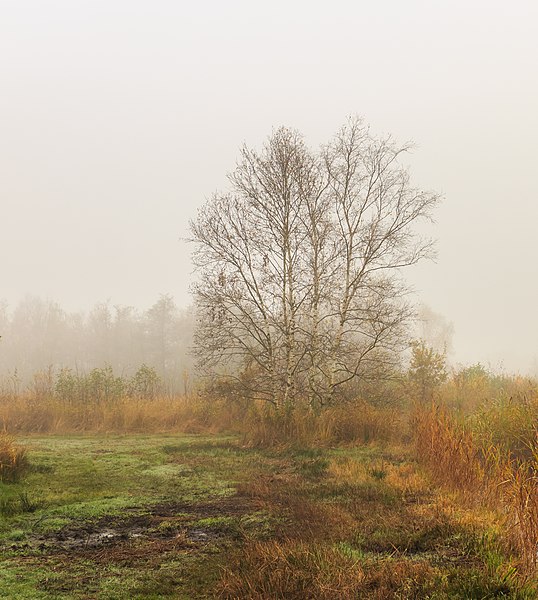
point(300, 289)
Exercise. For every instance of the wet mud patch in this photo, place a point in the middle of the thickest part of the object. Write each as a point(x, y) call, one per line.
point(178, 524)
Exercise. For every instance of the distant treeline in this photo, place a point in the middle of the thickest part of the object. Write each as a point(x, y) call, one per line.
point(38, 335)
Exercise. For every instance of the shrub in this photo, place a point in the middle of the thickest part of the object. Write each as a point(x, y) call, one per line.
point(98, 386)
point(427, 371)
point(145, 383)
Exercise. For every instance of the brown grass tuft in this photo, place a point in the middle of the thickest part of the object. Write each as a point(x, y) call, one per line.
point(292, 570)
point(449, 451)
point(13, 459)
point(519, 490)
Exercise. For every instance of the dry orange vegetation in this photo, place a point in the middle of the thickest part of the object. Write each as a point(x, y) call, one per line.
point(362, 500)
point(13, 460)
point(484, 474)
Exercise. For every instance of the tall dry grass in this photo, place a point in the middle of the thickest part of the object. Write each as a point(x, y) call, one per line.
point(295, 570)
point(519, 493)
point(472, 389)
point(13, 459)
point(292, 570)
point(353, 422)
point(259, 425)
point(450, 452)
point(483, 472)
point(128, 415)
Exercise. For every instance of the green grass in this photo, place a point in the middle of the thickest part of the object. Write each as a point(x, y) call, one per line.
point(78, 484)
point(196, 517)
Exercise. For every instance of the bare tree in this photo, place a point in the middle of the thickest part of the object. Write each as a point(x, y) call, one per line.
point(300, 290)
point(434, 330)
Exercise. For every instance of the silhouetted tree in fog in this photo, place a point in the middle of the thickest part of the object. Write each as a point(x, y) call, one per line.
point(38, 334)
point(300, 290)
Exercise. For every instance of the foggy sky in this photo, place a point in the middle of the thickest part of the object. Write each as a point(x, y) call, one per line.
point(118, 119)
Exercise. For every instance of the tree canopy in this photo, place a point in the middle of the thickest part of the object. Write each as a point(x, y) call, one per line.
point(300, 289)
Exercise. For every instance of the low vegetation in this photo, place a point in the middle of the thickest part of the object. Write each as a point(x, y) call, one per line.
point(482, 471)
point(13, 459)
point(191, 516)
point(204, 496)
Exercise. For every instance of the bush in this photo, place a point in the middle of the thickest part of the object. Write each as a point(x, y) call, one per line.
point(98, 386)
point(145, 383)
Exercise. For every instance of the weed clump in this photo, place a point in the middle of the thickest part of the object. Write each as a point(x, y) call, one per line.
point(13, 459)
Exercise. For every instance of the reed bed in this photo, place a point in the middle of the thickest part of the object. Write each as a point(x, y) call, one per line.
point(484, 473)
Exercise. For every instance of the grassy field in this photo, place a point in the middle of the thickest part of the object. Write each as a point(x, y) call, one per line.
point(184, 516)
